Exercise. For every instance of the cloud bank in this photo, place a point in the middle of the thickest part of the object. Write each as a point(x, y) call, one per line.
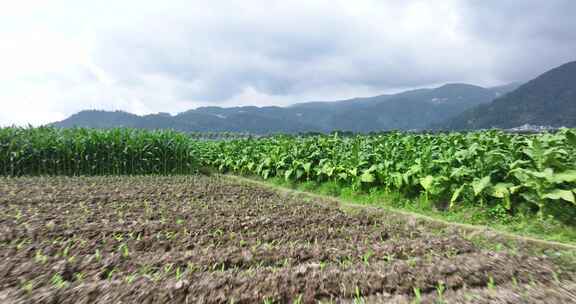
point(59, 57)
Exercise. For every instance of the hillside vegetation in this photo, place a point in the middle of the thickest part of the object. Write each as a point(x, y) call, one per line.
point(414, 109)
point(548, 100)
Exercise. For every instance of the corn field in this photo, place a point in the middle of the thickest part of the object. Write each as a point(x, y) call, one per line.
point(50, 151)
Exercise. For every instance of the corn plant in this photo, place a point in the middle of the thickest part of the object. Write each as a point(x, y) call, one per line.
point(51, 151)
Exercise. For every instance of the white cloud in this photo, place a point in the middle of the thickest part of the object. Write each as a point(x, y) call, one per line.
point(58, 57)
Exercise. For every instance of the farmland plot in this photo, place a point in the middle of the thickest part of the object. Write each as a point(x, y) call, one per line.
point(202, 239)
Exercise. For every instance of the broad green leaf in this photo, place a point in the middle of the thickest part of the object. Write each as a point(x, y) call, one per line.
point(307, 167)
point(299, 173)
point(460, 172)
point(265, 173)
point(501, 190)
point(328, 170)
point(557, 194)
point(456, 195)
point(531, 197)
point(566, 176)
point(427, 182)
point(288, 174)
point(547, 173)
point(354, 172)
point(571, 137)
point(479, 185)
point(367, 177)
point(515, 189)
point(372, 168)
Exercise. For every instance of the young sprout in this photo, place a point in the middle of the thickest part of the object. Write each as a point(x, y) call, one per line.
point(110, 273)
point(118, 237)
point(298, 300)
point(130, 278)
point(440, 288)
point(389, 257)
point(58, 281)
point(40, 257)
point(168, 268)
point(490, 283)
point(18, 215)
point(191, 267)
point(79, 276)
point(66, 251)
point(358, 299)
point(97, 255)
point(21, 244)
point(417, 295)
point(366, 257)
point(179, 273)
point(123, 248)
point(27, 286)
point(556, 276)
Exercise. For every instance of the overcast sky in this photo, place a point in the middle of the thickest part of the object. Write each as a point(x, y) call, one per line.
point(60, 57)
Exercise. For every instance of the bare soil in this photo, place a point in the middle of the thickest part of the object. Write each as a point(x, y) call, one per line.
point(204, 239)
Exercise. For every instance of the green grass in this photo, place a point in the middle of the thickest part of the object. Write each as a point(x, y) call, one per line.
point(524, 224)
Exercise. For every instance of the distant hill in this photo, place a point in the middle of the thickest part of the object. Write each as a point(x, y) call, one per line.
point(548, 100)
point(408, 110)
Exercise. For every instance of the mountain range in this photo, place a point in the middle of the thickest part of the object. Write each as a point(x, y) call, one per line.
point(414, 109)
point(547, 100)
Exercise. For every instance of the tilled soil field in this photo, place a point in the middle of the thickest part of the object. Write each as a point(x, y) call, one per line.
point(211, 240)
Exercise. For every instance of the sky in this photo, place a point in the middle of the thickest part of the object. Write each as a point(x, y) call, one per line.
point(58, 57)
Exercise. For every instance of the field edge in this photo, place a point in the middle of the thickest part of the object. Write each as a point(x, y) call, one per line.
point(464, 227)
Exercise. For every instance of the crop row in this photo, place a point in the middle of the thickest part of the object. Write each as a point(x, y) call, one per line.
point(507, 171)
point(490, 168)
point(51, 151)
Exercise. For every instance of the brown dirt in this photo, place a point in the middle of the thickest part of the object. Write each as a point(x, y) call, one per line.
point(210, 240)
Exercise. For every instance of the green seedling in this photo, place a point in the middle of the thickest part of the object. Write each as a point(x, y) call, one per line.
point(298, 300)
point(358, 299)
point(440, 288)
point(130, 278)
point(40, 258)
point(58, 282)
point(417, 295)
point(124, 250)
point(366, 257)
point(79, 276)
point(97, 255)
point(490, 284)
point(179, 273)
point(27, 286)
